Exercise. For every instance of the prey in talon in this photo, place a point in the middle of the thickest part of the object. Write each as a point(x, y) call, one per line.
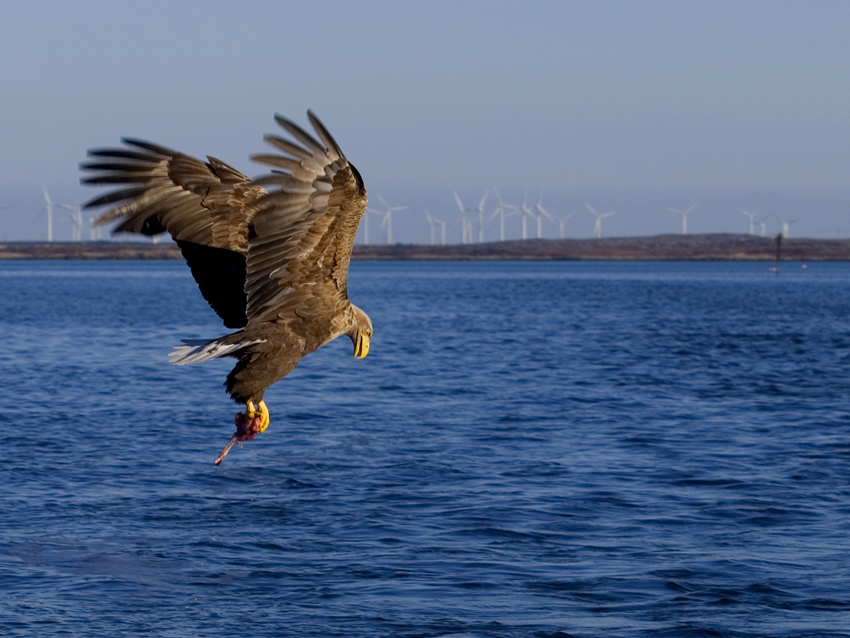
point(270, 255)
point(248, 425)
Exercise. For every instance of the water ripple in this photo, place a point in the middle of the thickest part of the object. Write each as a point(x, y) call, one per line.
point(546, 450)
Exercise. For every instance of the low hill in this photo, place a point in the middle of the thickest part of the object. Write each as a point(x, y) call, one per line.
point(714, 247)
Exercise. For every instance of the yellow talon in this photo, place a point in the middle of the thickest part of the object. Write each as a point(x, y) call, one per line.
point(261, 411)
point(264, 416)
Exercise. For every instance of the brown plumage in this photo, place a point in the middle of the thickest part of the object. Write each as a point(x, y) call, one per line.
point(269, 255)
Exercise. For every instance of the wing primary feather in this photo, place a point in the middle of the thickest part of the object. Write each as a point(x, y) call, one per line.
point(286, 146)
point(127, 167)
point(155, 148)
point(124, 154)
point(323, 133)
point(115, 196)
point(277, 160)
point(123, 178)
point(224, 170)
point(300, 134)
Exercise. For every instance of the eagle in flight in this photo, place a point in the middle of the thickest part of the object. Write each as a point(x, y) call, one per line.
point(270, 255)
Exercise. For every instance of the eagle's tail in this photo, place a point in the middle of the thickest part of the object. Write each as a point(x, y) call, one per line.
point(197, 350)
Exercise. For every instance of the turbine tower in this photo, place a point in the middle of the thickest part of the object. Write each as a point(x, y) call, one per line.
point(388, 218)
point(76, 221)
point(526, 213)
point(785, 225)
point(501, 211)
point(365, 223)
point(480, 210)
point(433, 223)
point(564, 221)
point(597, 227)
point(94, 229)
point(442, 224)
point(684, 214)
point(752, 216)
point(49, 206)
point(540, 214)
point(465, 223)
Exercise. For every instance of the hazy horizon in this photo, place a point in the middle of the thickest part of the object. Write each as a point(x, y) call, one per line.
point(630, 107)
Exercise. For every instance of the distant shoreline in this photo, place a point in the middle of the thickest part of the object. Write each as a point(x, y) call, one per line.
point(713, 247)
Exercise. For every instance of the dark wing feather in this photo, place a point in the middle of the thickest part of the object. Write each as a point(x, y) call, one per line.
point(206, 207)
point(220, 274)
point(304, 229)
point(207, 203)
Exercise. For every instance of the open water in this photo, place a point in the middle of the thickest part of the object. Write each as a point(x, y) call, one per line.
point(530, 449)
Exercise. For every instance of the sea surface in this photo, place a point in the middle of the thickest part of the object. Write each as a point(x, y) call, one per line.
point(530, 449)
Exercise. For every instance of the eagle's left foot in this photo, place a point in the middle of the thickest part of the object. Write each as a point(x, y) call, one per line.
point(248, 425)
point(261, 411)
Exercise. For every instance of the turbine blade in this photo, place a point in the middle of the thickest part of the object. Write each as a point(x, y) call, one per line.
point(459, 203)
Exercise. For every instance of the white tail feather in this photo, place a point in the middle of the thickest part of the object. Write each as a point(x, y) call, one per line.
point(195, 351)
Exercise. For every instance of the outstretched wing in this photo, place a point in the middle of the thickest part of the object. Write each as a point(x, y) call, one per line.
point(205, 206)
point(302, 234)
point(206, 203)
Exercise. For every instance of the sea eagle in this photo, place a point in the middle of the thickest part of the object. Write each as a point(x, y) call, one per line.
point(270, 255)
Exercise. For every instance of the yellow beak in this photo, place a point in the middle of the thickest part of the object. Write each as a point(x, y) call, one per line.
point(361, 349)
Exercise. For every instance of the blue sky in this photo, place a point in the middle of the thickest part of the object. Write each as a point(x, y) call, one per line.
point(627, 106)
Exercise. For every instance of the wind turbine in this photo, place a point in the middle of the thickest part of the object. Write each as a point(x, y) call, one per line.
point(465, 223)
point(442, 224)
point(752, 216)
point(785, 225)
point(49, 206)
point(525, 212)
point(563, 221)
point(434, 222)
point(540, 214)
point(597, 227)
point(480, 210)
point(431, 225)
point(94, 229)
point(684, 214)
point(76, 221)
point(388, 218)
point(501, 210)
point(366, 223)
